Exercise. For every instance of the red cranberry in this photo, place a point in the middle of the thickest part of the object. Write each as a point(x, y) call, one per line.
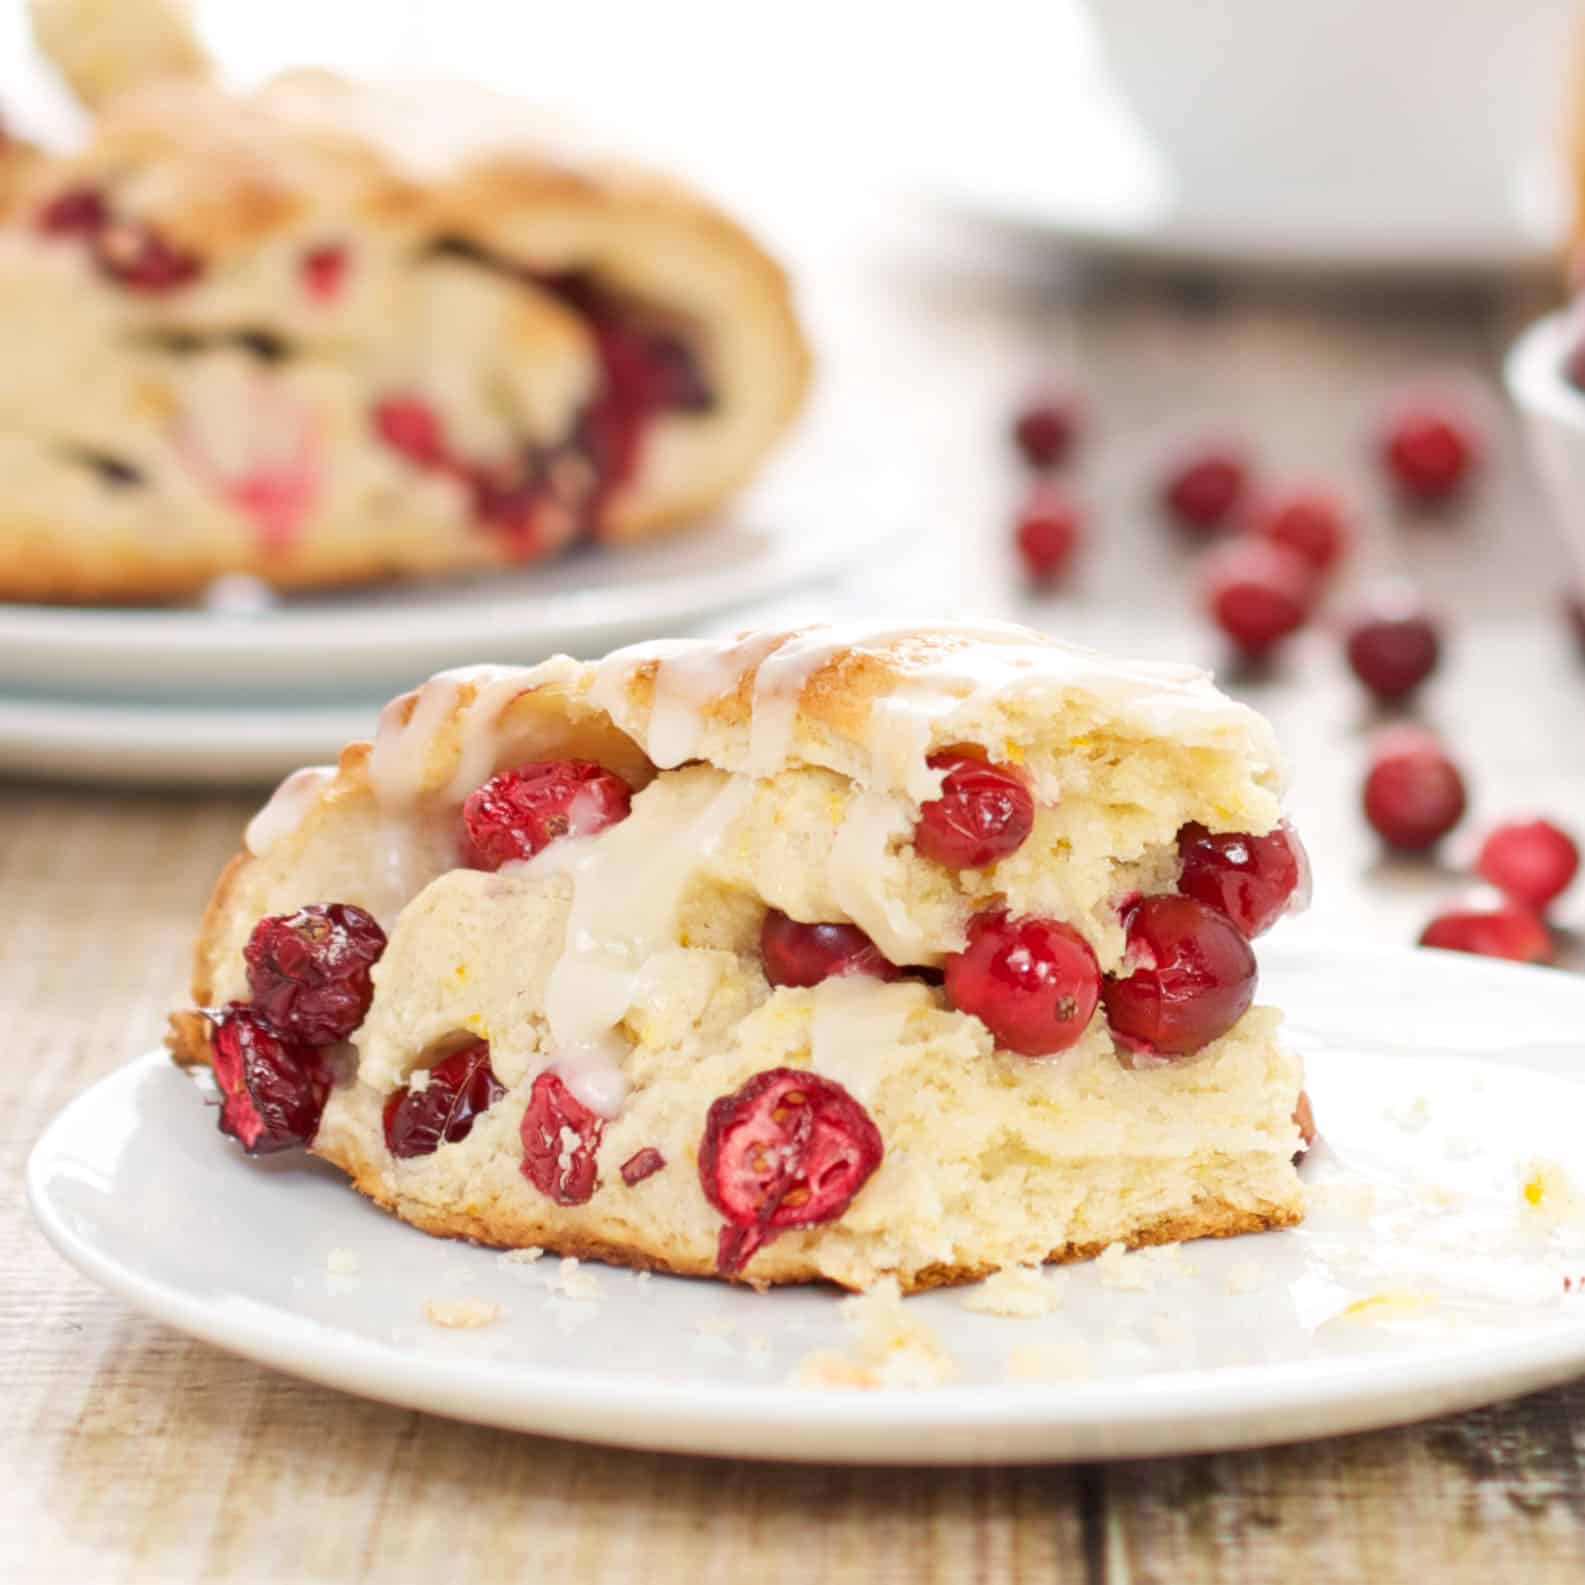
point(1531, 861)
point(642, 1164)
point(1192, 977)
point(140, 259)
point(1414, 794)
point(1045, 428)
point(1304, 1121)
point(803, 955)
point(1393, 654)
point(1202, 490)
point(1507, 931)
point(1049, 534)
point(324, 270)
point(1429, 448)
point(78, 212)
point(1258, 594)
point(411, 426)
point(1574, 366)
point(1250, 879)
point(561, 1137)
point(419, 1122)
point(984, 813)
point(1313, 523)
point(520, 812)
point(1033, 983)
point(309, 971)
point(273, 1089)
point(788, 1149)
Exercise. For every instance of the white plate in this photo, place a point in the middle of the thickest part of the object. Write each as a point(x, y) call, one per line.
point(817, 515)
point(1431, 1075)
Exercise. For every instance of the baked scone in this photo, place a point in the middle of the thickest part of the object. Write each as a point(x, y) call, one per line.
point(326, 333)
point(839, 953)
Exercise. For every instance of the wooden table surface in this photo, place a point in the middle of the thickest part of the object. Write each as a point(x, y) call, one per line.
point(128, 1452)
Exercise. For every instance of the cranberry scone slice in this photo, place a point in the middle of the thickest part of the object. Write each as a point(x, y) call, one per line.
point(839, 953)
point(492, 342)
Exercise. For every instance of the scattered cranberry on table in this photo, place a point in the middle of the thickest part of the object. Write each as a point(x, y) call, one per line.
point(1046, 427)
point(1532, 862)
point(1204, 487)
point(1393, 652)
point(1313, 522)
point(1050, 531)
point(1507, 930)
point(1429, 447)
point(1414, 794)
point(1258, 593)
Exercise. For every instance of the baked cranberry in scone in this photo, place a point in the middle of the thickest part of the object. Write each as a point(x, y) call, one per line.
point(800, 954)
point(273, 1091)
point(309, 971)
point(419, 1121)
point(521, 812)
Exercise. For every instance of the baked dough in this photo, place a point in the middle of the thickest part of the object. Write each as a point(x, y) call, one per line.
point(787, 772)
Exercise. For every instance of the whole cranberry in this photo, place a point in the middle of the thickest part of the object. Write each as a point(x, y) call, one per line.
point(419, 1122)
point(273, 1090)
point(1414, 794)
point(1050, 531)
point(788, 1149)
point(984, 812)
point(1034, 983)
point(1258, 594)
point(1392, 653)
point(137, 257)
point(309, 971)
point(1249, 878)
point(1509, 930)
point(1203, 488)
point(1191, 977)
point(803, 955)
point(77, 212)
point(1046, 426)
point(1429, 448)
point(409, 424)
point(324, 269)
point(1531, 861)
point(561, 1138)
point(520, 812)
point(1313, 523)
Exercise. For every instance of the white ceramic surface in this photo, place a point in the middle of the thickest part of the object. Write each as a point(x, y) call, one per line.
point(1553, 412)
point(1422, 1283)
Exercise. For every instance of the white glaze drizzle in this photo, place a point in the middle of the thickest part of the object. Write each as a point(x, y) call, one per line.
point(287, 808)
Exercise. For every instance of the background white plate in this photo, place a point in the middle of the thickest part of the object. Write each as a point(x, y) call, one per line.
point(1436, 1079)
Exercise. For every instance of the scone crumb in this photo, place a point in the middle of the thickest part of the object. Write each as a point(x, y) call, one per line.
point(644, 1276)
point(1243, 1278)
point(462, 1314)
point(526, 1256)
point(343, 1263)
point(1126, 1272)
point(1546, 1191)
point(572, 1282)
point(715, 1325)
point(1022, 1291)
point(890, 1347)
point(1051, 1359)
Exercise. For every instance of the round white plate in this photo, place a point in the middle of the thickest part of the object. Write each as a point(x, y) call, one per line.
point(814, 517)
point(1424, 1281)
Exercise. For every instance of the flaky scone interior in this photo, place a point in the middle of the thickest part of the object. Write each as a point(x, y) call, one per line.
point(837, 953)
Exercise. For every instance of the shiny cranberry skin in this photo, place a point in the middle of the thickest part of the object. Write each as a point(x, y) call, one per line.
point(1192, 978)
point(1429, 449)
point(561, 1138)
point(1392, 654)
point(309, 971)
point(1202, 489)
point(419, 1122)
point(788, 1149)
point(1531, 861)
point(642, 1164)
point(1250, 879)
point(1050, 531)
point(138, 258)
point(1258, 594)
point(520, 812)
point(324, 271)
point(1034, 983)
point(78, 212)
point(1046, 427)
point(273, 1090)
point(804, 955)
point(411, 426)
point(983, 814)
point(1312, 523)
point(1414, 794)
point(1507, 931)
